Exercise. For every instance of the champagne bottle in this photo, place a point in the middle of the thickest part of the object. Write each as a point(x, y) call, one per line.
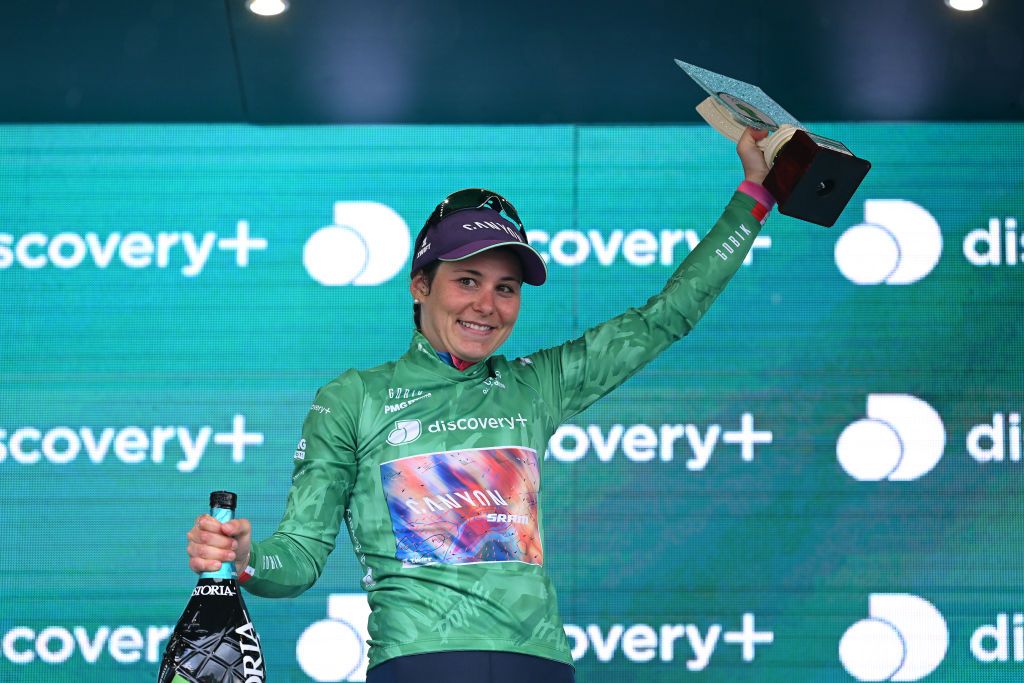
point(214, 640)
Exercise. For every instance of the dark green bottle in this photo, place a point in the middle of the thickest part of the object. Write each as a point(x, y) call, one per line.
point(215, 641)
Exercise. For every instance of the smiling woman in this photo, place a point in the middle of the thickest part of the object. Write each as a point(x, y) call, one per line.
point(470, 264)
point(472, 305)
point(432, 460)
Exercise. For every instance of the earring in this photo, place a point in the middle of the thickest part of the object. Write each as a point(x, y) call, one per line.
point(415, 300)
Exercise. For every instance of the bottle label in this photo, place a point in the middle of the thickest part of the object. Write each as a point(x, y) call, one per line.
point(225, 590)
point(252, 656)
point(215, 639)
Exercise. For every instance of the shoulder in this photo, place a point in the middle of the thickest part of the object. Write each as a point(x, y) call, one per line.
point(357, 380)
point(347, 391)
point(511, 364)
point(522, 369)
point(342, 389)
point(342, 386)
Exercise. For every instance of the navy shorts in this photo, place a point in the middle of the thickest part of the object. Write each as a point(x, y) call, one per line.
point(471, 667)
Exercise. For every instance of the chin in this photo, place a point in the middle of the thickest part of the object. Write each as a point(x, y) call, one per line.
point(473, 356)
point(476, 352)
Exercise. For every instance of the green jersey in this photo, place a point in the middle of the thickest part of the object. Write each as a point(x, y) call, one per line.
point(437, 472)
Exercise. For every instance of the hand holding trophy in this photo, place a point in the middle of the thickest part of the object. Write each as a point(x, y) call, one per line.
point(811, 177)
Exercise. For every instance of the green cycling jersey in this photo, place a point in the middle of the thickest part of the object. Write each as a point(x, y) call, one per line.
point(437, 472)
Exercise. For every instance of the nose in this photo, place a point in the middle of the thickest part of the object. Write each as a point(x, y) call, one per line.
point(484, 302)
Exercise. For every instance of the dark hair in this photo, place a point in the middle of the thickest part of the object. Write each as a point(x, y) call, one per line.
point(429, 271)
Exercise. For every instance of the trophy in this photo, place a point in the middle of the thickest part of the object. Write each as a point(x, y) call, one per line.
point(812, 178)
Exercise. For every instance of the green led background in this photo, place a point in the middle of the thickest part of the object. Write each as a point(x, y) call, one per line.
point(116, 363)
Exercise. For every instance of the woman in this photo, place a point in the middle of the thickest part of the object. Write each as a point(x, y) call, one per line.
point(433, 460)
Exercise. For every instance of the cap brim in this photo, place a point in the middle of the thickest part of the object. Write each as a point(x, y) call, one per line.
point(535, 271)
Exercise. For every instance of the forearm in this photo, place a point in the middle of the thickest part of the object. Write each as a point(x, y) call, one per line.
point(702, 276)
point(284, 565)
point(293, 557)
point(608, 354)
point(692, 288)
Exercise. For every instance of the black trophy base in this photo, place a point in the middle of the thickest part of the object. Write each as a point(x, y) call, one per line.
point(813, 182)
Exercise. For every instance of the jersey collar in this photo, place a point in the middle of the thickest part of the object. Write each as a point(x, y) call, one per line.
point(424, 356)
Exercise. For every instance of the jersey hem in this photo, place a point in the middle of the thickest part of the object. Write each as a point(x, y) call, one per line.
point(383, 654)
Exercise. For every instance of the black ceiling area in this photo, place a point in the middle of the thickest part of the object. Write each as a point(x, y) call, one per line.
point(452, 61)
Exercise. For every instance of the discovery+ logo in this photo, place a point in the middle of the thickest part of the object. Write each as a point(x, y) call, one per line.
point(368, 244)
point(188, 251)
point(898, 243)
point(999, 245)
point(183, 445)
point(904, 638)
point(405, 431)
point(901, 439)
point(335, 649)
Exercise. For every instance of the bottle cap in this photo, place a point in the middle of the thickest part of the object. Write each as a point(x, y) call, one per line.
point(223, 499)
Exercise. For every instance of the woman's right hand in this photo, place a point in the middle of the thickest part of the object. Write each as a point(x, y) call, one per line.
point(211, 543)
point(755, 168)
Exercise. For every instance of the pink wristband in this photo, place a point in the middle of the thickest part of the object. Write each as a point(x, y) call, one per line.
point(758, 192)
point(763, 200)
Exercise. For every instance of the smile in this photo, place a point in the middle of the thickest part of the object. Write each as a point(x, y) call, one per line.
point(476, 327)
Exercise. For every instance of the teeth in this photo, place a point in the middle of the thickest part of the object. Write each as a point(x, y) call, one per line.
point(474, 326)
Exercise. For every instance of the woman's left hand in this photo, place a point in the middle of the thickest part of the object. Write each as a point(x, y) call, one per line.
point(754, 166)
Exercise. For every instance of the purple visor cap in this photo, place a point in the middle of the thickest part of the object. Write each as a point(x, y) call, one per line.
point(470, 231)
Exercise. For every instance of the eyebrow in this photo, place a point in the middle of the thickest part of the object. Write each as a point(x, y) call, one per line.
point(477, 273)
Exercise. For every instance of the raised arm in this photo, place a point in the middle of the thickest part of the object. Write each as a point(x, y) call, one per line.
point(574, 375)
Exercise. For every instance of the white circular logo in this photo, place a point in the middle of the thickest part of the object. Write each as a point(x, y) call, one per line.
point(335, 649)
point(904, 639)
point(367, 245)
point(405, 431)
point(902, 438)
point(898, 243)
point(872, 650)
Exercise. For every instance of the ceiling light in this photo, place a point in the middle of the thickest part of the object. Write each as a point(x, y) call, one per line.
point(266, 8)
point(966, 5)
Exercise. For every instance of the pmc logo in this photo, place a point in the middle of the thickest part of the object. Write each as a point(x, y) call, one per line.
point(898, 243)
point(904, 639)
point(335, 649)
point(367, 245)
point(901, 439)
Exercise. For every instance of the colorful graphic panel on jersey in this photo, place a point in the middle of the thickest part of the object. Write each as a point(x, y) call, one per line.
point(460, 507)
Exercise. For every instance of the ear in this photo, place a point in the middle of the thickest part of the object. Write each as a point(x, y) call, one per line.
point(418, 286)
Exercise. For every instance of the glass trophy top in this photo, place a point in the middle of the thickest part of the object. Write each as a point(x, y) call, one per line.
point(747, 103)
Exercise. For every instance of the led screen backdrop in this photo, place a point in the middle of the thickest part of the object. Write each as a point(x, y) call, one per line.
point(821, 483)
